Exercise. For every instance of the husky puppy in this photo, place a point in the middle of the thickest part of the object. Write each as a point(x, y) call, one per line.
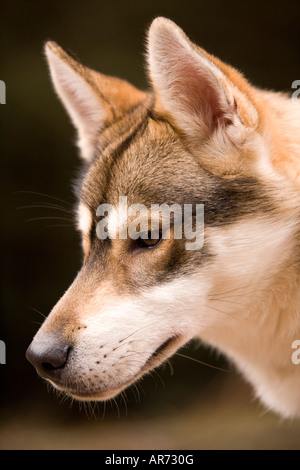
point(202, 136)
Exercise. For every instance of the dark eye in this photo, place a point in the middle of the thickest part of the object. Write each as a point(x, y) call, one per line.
point(147, 243)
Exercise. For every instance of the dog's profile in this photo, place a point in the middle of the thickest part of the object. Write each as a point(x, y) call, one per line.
point(202, 135)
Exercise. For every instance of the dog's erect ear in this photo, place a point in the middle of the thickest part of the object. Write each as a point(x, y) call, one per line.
point(196, 90)
point(91, 98)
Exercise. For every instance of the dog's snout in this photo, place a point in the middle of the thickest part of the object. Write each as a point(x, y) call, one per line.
point(49, 357)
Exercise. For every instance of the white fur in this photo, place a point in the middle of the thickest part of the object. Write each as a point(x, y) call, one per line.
point(84, 219)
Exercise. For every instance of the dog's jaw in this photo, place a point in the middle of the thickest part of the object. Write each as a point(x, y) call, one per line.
point(83, 391)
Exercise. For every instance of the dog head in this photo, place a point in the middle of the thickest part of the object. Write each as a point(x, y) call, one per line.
point(197, 140)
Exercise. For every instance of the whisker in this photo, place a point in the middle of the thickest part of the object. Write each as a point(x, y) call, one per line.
point(138, 329)
point(117, 406)
point(138, 393)
point(139, 385)
point(236, 289)
point(221, 311)
point(45, 195)
point(123, 397)
point(37, 311)
point(130, 342)
point(59, 225)
point(154, 371)
point(48, 218)
point(104, 410)
point(36, 322)
point(92, 409)
point(227, 301)
point(171, 367)
point(45, 206)
point(202, 362)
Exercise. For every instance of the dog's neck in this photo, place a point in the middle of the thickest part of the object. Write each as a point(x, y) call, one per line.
point(258, 336)
point(259, 341)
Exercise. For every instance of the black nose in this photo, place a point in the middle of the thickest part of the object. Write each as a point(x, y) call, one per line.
point(49, 357)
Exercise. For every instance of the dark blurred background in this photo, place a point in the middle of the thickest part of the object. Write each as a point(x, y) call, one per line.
point(197, 406)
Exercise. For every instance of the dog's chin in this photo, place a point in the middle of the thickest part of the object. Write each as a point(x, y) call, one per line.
point(164, 351)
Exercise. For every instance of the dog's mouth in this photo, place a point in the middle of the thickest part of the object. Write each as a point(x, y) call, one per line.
point(165, 350)
point(161, 353)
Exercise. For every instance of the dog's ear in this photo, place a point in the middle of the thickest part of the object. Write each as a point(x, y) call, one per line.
point(91, 99)
point(198, 92)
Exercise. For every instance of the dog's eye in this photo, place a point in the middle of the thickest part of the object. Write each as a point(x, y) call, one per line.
point(147, 243)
